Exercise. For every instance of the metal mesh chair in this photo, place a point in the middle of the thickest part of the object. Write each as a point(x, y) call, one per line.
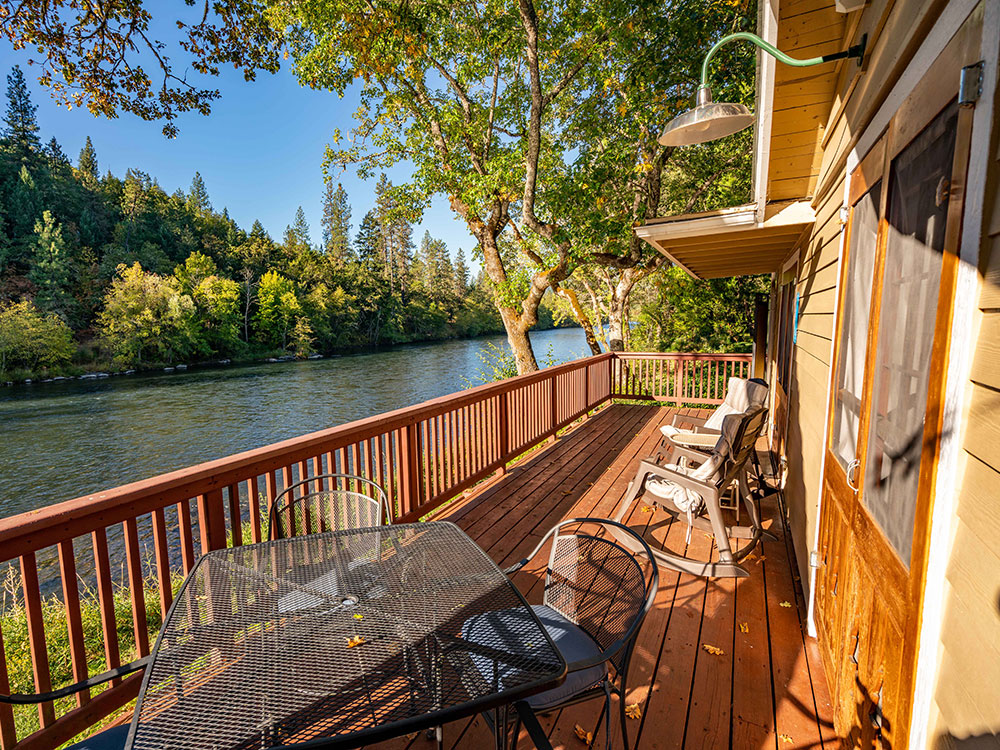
point(109, 739)
point(327, 502)
point(597, 593)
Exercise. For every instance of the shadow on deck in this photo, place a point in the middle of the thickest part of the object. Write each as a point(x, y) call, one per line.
point(767, 688)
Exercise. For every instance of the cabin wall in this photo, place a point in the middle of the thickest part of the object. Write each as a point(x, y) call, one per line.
point(895, 30)
point(967, 694)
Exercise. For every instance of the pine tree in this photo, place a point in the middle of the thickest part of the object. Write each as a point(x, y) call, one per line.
point(396, 237)
point(297, 233)
point(197, 198)
point(50, 266)
point(22, 128)
point(336, 223)
point(368, 242)
point(461, 274)
point(87, 163)
point(55, 153)
point(258, 232)
point(23, 210)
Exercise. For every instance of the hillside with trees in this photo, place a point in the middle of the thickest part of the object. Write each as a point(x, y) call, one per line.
point(106, 271)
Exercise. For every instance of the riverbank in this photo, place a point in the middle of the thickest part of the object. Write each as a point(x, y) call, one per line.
point(100, 368)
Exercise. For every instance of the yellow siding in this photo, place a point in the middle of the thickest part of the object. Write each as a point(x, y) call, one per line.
point(967, 694)
point(802, 97)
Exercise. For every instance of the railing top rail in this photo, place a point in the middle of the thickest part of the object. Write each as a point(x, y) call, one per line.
point(136, 498)
point(726, 357)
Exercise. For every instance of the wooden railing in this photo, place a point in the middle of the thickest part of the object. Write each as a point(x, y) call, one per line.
point(676, 377)
point(140, 537)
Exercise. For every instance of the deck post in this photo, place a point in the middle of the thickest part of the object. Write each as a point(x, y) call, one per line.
point(553, 406)
point(503, 424)
point(409, 478)
point(212, 520)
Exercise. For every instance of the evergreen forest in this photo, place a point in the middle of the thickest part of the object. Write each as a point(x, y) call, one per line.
point(99, 271)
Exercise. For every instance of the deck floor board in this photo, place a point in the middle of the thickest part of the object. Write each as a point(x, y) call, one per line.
point(767, 690)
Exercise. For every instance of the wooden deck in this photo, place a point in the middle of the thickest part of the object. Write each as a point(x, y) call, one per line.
point(767, 690)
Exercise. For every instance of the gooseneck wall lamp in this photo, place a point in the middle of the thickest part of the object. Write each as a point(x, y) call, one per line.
point(710, 120)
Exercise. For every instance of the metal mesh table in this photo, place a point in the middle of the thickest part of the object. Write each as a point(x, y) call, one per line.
point(336, 640)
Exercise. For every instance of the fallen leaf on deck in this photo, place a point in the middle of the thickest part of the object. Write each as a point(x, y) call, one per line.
point(744, 627)
point(784, 738)
point(358, 616)
point(714, 650)
point(647, 508)
point(583, 735)
point(633, 711)
point(355, 641)
point(785, 604)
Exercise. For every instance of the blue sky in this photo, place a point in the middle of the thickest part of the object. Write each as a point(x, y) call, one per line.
point(259, 151)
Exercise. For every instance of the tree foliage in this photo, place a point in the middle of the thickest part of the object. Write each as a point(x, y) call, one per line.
point(692, 315)
point(32, 339)
point(160, 278)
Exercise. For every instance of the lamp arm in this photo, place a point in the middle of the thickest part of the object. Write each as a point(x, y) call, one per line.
point(858, 51)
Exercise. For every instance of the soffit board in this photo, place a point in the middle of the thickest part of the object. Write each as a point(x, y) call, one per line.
point(732, 242)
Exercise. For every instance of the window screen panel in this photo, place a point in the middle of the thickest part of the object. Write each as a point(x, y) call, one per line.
point(854, 327)
point(917, 214)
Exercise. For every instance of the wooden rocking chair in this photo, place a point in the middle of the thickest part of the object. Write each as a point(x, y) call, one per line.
point(692, 489)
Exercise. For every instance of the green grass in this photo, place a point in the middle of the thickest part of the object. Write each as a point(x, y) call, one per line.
point(14, 625)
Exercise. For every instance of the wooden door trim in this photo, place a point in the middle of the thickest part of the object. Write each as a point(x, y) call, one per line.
point(870, 170)
point(935, 413)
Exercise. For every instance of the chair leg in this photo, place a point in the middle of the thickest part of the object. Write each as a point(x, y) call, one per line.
point(622, 718)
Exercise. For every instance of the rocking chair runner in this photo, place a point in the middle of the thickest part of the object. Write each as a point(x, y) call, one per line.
point(693, 491)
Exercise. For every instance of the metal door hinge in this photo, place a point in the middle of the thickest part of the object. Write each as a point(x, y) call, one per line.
point(814, 559)
point(970, 84)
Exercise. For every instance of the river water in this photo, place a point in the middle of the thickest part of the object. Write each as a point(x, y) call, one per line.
point(62, 440)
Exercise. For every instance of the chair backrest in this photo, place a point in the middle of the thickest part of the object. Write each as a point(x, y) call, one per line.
point(741, 395)
point(599, 584)
point(327, 502)
point(734, 447)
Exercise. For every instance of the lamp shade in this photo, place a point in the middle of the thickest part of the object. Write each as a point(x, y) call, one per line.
point(706, 122)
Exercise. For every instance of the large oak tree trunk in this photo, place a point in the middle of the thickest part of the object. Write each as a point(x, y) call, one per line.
point(581, 317)
point(520, 344)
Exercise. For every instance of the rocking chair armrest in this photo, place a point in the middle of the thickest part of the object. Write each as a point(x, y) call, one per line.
point(696, 421)
point(24, 699)
point(692, 454)
point(684, 441)
point(705, 489)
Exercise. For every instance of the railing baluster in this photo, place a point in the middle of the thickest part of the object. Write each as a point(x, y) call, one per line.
point(74, 617)
point(105, 597)
point(8, 732)
point(253, 504)
point(235, 515)
point(36, 635)
point(162, 554)
point(287, 480)
point(137, 592)
point(186, 529)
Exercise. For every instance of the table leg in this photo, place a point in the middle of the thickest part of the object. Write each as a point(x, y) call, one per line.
point(530, 722)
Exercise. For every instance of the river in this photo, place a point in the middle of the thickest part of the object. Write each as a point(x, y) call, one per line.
point(62, 440)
